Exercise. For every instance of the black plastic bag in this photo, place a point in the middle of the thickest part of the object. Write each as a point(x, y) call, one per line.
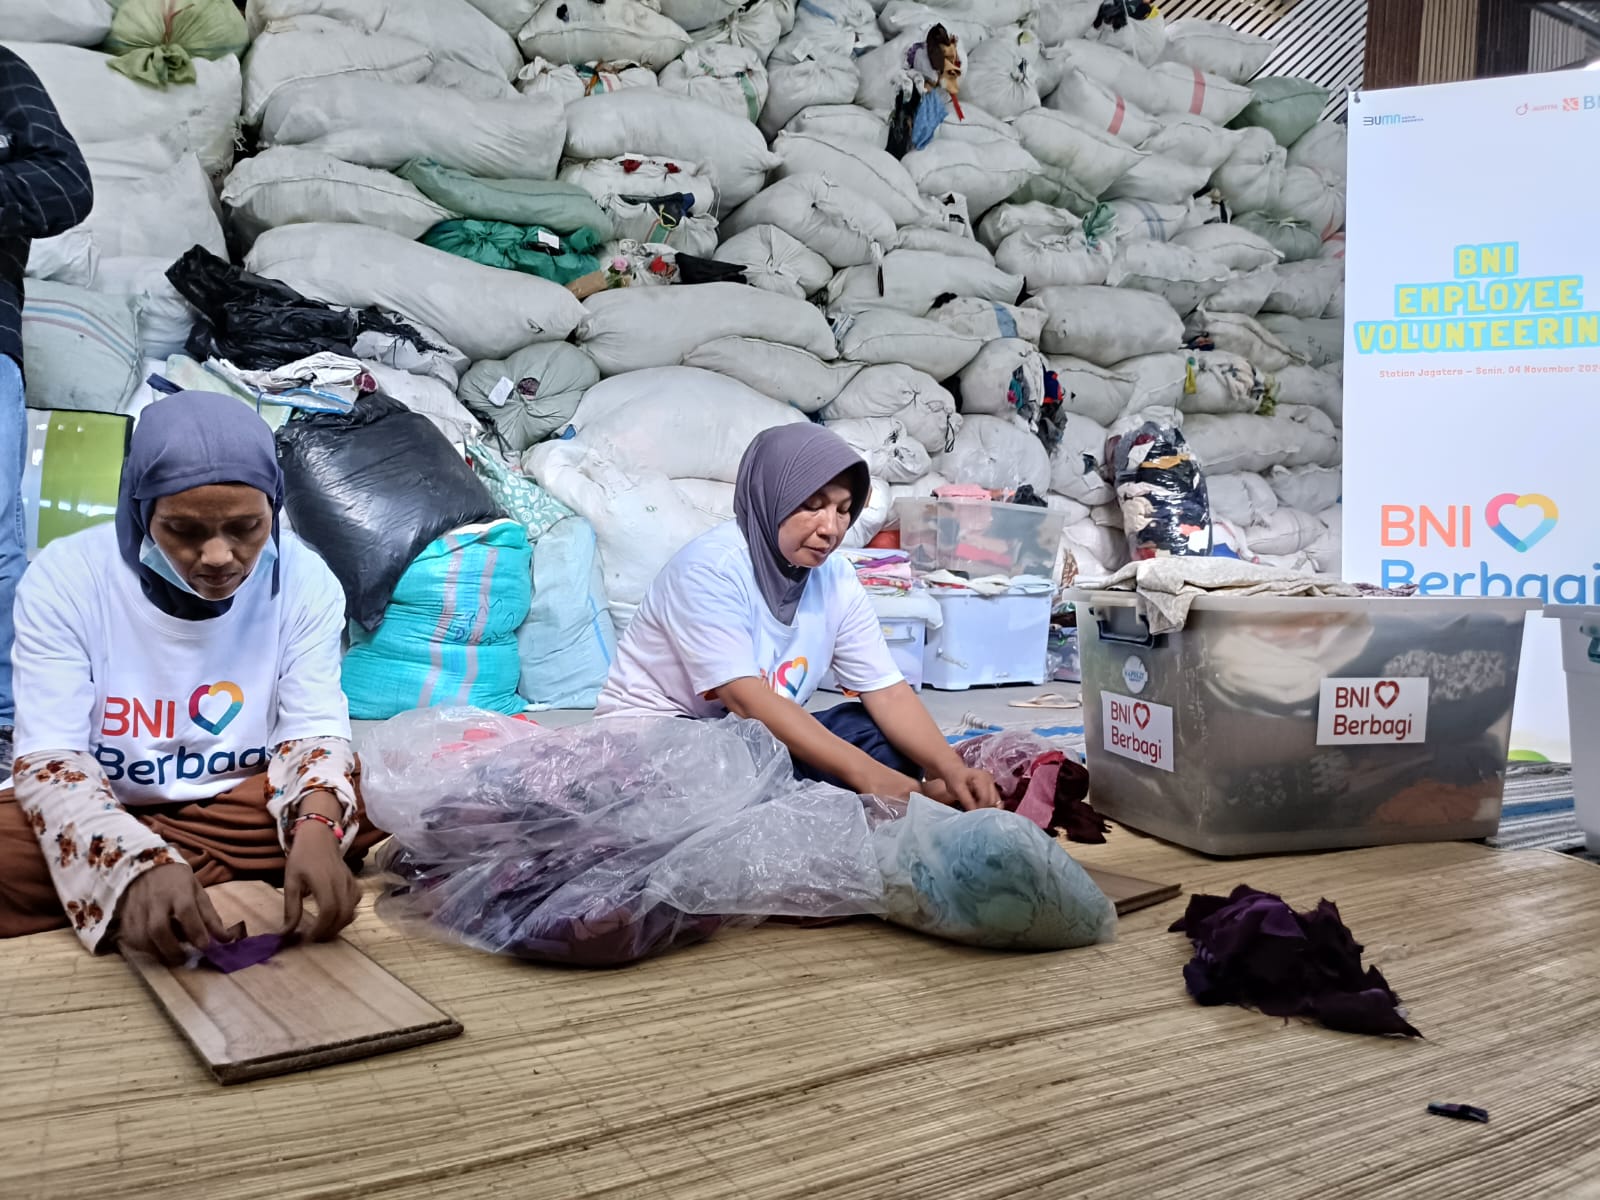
point(368, 489)
point(708, 270)
point(259, 324)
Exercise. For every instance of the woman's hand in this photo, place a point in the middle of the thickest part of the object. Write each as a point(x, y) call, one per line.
point(964, 787)
point(317, 869)
point(164, 908)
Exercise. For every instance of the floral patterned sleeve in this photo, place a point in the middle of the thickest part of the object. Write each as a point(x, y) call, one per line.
point(319, 764)
point(95, 848)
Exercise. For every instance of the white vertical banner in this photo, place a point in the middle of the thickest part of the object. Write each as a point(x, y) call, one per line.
point(1472, 355)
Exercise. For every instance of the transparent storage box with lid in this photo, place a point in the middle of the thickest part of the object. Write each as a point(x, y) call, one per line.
point(977, 538)
point(1277, 724)
point(1580, 653)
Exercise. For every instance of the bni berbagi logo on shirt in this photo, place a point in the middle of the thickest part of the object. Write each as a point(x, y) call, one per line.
point(210, 709)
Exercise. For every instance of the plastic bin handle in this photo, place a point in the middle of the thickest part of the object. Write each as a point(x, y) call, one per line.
point(1146, 639)
point(1594, 649)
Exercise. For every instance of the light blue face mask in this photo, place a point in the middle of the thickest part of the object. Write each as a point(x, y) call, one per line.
point(154, 557)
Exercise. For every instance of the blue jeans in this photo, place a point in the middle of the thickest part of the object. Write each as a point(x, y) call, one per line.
point(13, 531)
point(852, 723)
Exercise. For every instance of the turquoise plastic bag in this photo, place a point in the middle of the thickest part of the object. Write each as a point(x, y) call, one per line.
point(568, 642)
point(449, 636)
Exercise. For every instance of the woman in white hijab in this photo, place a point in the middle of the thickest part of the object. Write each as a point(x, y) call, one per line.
point(749, 617)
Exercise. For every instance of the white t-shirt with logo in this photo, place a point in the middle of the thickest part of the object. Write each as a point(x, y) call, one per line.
point(174, 710)
point(704, 623)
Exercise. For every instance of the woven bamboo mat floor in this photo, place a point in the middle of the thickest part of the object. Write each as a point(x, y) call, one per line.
point(861, 1061)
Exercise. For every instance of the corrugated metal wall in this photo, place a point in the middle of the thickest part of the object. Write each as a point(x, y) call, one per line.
point(1553, 44)
point(1319, 40)
point(1449, 49)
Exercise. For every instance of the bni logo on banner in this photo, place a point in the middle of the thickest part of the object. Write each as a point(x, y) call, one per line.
point(1439, 540)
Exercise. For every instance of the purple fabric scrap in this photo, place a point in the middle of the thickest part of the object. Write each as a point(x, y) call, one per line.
point(1252, 949)
point(229, 957)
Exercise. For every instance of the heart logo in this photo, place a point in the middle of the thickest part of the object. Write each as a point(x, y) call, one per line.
point(205, 692)
point(1141, 715)
point(1386, 692)
point(792, 675)
point(1522, 544)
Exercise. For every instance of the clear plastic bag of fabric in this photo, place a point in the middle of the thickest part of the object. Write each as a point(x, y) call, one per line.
point(987, 878)
point(611, 842)
point(1166, 509)
point(606, 843)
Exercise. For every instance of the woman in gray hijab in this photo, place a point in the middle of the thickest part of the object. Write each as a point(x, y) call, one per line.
point(179, 718)
point(748, 618)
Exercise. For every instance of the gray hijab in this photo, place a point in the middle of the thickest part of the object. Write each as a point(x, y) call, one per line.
point(782, 469)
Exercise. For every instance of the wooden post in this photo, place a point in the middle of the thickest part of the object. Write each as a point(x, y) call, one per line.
point(1394, 43)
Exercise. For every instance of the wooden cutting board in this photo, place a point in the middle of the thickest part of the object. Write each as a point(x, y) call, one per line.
point(312, 1005)
point(1130, 894)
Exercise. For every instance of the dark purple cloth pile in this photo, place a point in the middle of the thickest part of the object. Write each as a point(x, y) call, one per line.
point(1252, 949)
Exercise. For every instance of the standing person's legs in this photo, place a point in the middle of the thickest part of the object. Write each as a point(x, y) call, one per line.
point(852, 723)
point(13, 534)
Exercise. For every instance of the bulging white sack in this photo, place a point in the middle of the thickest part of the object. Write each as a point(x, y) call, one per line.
point(882, 336)
point(1310, 489)
point(582, 31)
point(989, 320)
point(1181, 277)
point(945, 242)
point(984, 172)
point(1312, 340)
point(795, 377)
point(1006, 379)
point(1097, 106)
point(606, 179)
point(1046, 260)
point(1216, 48)
point(776, 262)
point(1308, 385)
point(1101, 394)
point(731, 78)
point(996, 452)
point(1142, 221)
point(1095, 159)
point(1324, 150)
point(695, 15)
point(642, 121)
point(285, 185)
point(158, 215)
point(631, 329)
point(816, 83)
point(892, 454)
point(758, 24)
point(842, 226)
point(68, 22)
point(1243, 499)
point(864, 169)
point(570, 82)
point(832, 119)
point(1246, 293)
point(482, 311)
point(1252, 178)
point(914, 398)
point(1075, 462)
point(1002, 74)
point(1160, 180)
point(640, 518)
point(451, 29)
point(312, 49)
point(1194, 141)
point(97, 104)
point(1303, 289)
point(911, 280)
point(1311, 200)
point(1106, 325)
point(1003, 220)
point(1229, 246)
point(1236, 333)
point(376, 124)
point(680, 421)
point(1285, 531)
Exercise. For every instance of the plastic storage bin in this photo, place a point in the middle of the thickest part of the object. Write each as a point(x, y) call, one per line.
point(1580, 651)
point(907, 640)
point(988, 640)
point(1284, 724)
point(976, 538)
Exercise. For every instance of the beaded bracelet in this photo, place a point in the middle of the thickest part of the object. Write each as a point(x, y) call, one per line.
point(338, 829)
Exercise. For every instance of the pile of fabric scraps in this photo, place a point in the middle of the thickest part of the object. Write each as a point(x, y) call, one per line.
point(323, 382)
point(608, 843)
point(990, 585)
point(1252, 949)
point(1165, 507)
point(1039, 783)
point(1168, 587)
point(883, 572)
